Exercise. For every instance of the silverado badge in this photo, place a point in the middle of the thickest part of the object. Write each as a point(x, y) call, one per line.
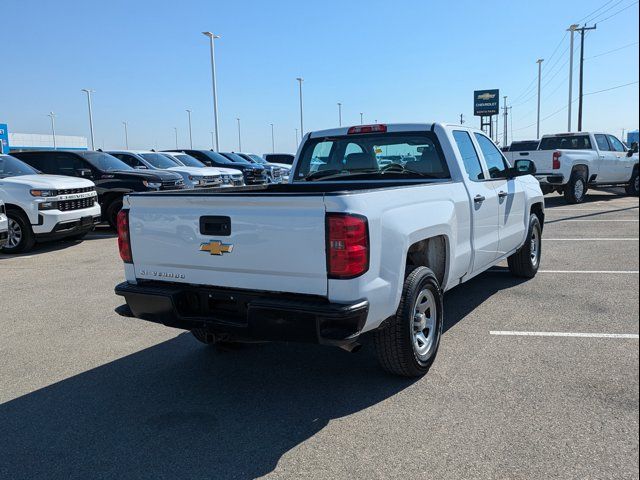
point(216, 247)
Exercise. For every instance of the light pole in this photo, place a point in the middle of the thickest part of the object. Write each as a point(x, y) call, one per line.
point(361, 118)
point(52, 116)
point(572, 29)
point(273, 140)
point(504, 136)
point(339, 114)
point(212, 37)
point(296, 144)
point(126, 136)
point(89, 92)
point(190, 134)
point(300, 80)
point(539, 62)
point(239, 136)
point(213, 142)
point(175, 130)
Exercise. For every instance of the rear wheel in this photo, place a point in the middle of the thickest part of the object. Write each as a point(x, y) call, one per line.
point(633, 188)
point(112, 213)
point(576, 189)
point(408, 342)
point(21, 237)
point(526, 261)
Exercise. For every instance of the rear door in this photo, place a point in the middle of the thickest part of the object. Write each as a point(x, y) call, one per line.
point(484, 203)
point(511, 197)
point(258, 242)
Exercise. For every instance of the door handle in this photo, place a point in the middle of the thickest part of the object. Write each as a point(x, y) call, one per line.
point(502, 194)
point(479, 199)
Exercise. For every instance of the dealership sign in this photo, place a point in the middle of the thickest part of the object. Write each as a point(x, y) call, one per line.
point(4, 138)
point(486, 102)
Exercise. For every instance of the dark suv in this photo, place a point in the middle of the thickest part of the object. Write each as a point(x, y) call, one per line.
point(113, 178)
point(253, 174)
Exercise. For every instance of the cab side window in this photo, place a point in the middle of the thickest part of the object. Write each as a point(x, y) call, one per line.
point(68, 164)
point(616, 144)
point(469, 155)
point(128, 159)
point(603, 144)
point(496, 163)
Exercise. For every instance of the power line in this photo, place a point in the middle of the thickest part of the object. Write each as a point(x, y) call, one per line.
point(612, 88)
point(597, 10)
point(618, 12)
point(612, 51)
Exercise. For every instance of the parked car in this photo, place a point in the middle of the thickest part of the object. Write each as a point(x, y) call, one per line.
point(348, 250)
point(43, 207)
point(280, 159)
point(4, 224)
point(260, 172)
point(112, 177)
point(275, 173)
point(253, 174)
point(570, 163)
point(230, 177)
point(148, 160)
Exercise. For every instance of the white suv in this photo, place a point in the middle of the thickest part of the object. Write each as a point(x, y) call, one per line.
point(44, 207)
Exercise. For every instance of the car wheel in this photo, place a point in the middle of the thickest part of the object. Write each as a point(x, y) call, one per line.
point(576, 189)
point(112, 213)
point(21, 237)
point(633, 188)
point(408, 342)
point(526, 261)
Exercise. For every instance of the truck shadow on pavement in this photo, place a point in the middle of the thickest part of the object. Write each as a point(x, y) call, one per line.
point(181, 409)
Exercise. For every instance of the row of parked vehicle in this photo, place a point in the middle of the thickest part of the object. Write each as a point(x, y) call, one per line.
point(54, 194)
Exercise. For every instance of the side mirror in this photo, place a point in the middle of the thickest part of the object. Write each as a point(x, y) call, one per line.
point(523, 167)
point(84, 173)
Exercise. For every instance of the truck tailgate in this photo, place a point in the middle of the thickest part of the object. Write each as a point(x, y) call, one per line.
point(273, 243)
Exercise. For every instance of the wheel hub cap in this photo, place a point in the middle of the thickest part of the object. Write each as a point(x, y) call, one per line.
point(15, 234)
point(578, 190)
point(535, 247)
point(425, 316)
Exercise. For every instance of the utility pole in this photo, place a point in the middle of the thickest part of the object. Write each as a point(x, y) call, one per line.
point(52, 116)
point(214, 90)
point(89, 92)
point(239, 136)
point(273, 140)
point(539, 62)
point(175, 130)
point(296, 138)
point(126, 136)
point(504, 137)
point(339, 114)
point(300, 80)
point(572, 29)
point(190, 134)
point(361, 118)
point(582, 30)
point(461, 119)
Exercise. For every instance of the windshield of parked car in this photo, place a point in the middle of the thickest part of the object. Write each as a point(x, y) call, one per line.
point(523, 146)
point(104, 162)
point(566, 142)
point(12, 167)
point(217, 158)
point(257, 158)
point(376, 154)
point(158, 160)
point(280, 158)
point(187, 160)
point(235, 158)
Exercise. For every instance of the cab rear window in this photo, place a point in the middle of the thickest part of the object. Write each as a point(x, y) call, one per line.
point(566, 142)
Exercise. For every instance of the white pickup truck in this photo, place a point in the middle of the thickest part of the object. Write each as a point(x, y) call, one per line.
point(44, 207)
point(348, 248)
point(570, 163)
point(4, 224)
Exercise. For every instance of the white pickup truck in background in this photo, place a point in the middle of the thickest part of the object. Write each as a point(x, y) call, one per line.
point(4, 224)
point(377, 222)
point(570, 163)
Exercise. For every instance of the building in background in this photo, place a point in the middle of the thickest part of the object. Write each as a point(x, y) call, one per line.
point(632, 136)
point(15, 142)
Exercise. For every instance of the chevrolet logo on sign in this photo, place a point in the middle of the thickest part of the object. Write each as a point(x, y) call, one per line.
point(487, 96)
point(216, 247)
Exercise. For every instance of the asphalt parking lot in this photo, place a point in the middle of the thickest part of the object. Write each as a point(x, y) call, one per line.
point(87, 394)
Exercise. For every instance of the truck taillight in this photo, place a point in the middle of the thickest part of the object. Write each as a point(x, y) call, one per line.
point(347, 245)
point(556, 160)
point(124, 240)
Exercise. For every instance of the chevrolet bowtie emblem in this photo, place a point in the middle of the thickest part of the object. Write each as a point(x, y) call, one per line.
point(216, 247)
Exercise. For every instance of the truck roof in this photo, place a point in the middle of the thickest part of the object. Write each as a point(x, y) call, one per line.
point(569, 134)
point(391, 128)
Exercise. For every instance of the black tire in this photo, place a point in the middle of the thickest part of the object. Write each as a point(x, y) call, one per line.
point(203, 336)
point(633, 187)
point(395, 342)
point(19, 221)
point(576, 189)
point(526, 261)
point(547, 189)
point(112, 213)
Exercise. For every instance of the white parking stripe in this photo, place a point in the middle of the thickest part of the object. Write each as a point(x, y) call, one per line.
point(619, 272)
point(551, 210)
point(624, 239)
point(565, 334)
point(592, 221)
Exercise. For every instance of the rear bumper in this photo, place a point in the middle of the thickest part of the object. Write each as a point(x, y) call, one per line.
point(245, 314)
point(550, 178)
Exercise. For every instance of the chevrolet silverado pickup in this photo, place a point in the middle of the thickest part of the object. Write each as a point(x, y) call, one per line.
point(348, 248)
point(570, 163)
point(4, 224)
point(43, 207)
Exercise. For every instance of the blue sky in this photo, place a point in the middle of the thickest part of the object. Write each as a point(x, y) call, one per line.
point(397, 61)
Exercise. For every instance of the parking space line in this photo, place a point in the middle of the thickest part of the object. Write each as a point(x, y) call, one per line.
point(610, 272)
point(551, 209)
point(598, 220)
point(564, 334)
point(622, 239)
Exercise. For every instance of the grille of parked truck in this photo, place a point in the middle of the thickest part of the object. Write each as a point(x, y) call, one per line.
point(571, 163)
point(377, 222)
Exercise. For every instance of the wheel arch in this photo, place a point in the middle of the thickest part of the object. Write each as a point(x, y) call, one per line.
point(538, 210)
point(431, 252)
